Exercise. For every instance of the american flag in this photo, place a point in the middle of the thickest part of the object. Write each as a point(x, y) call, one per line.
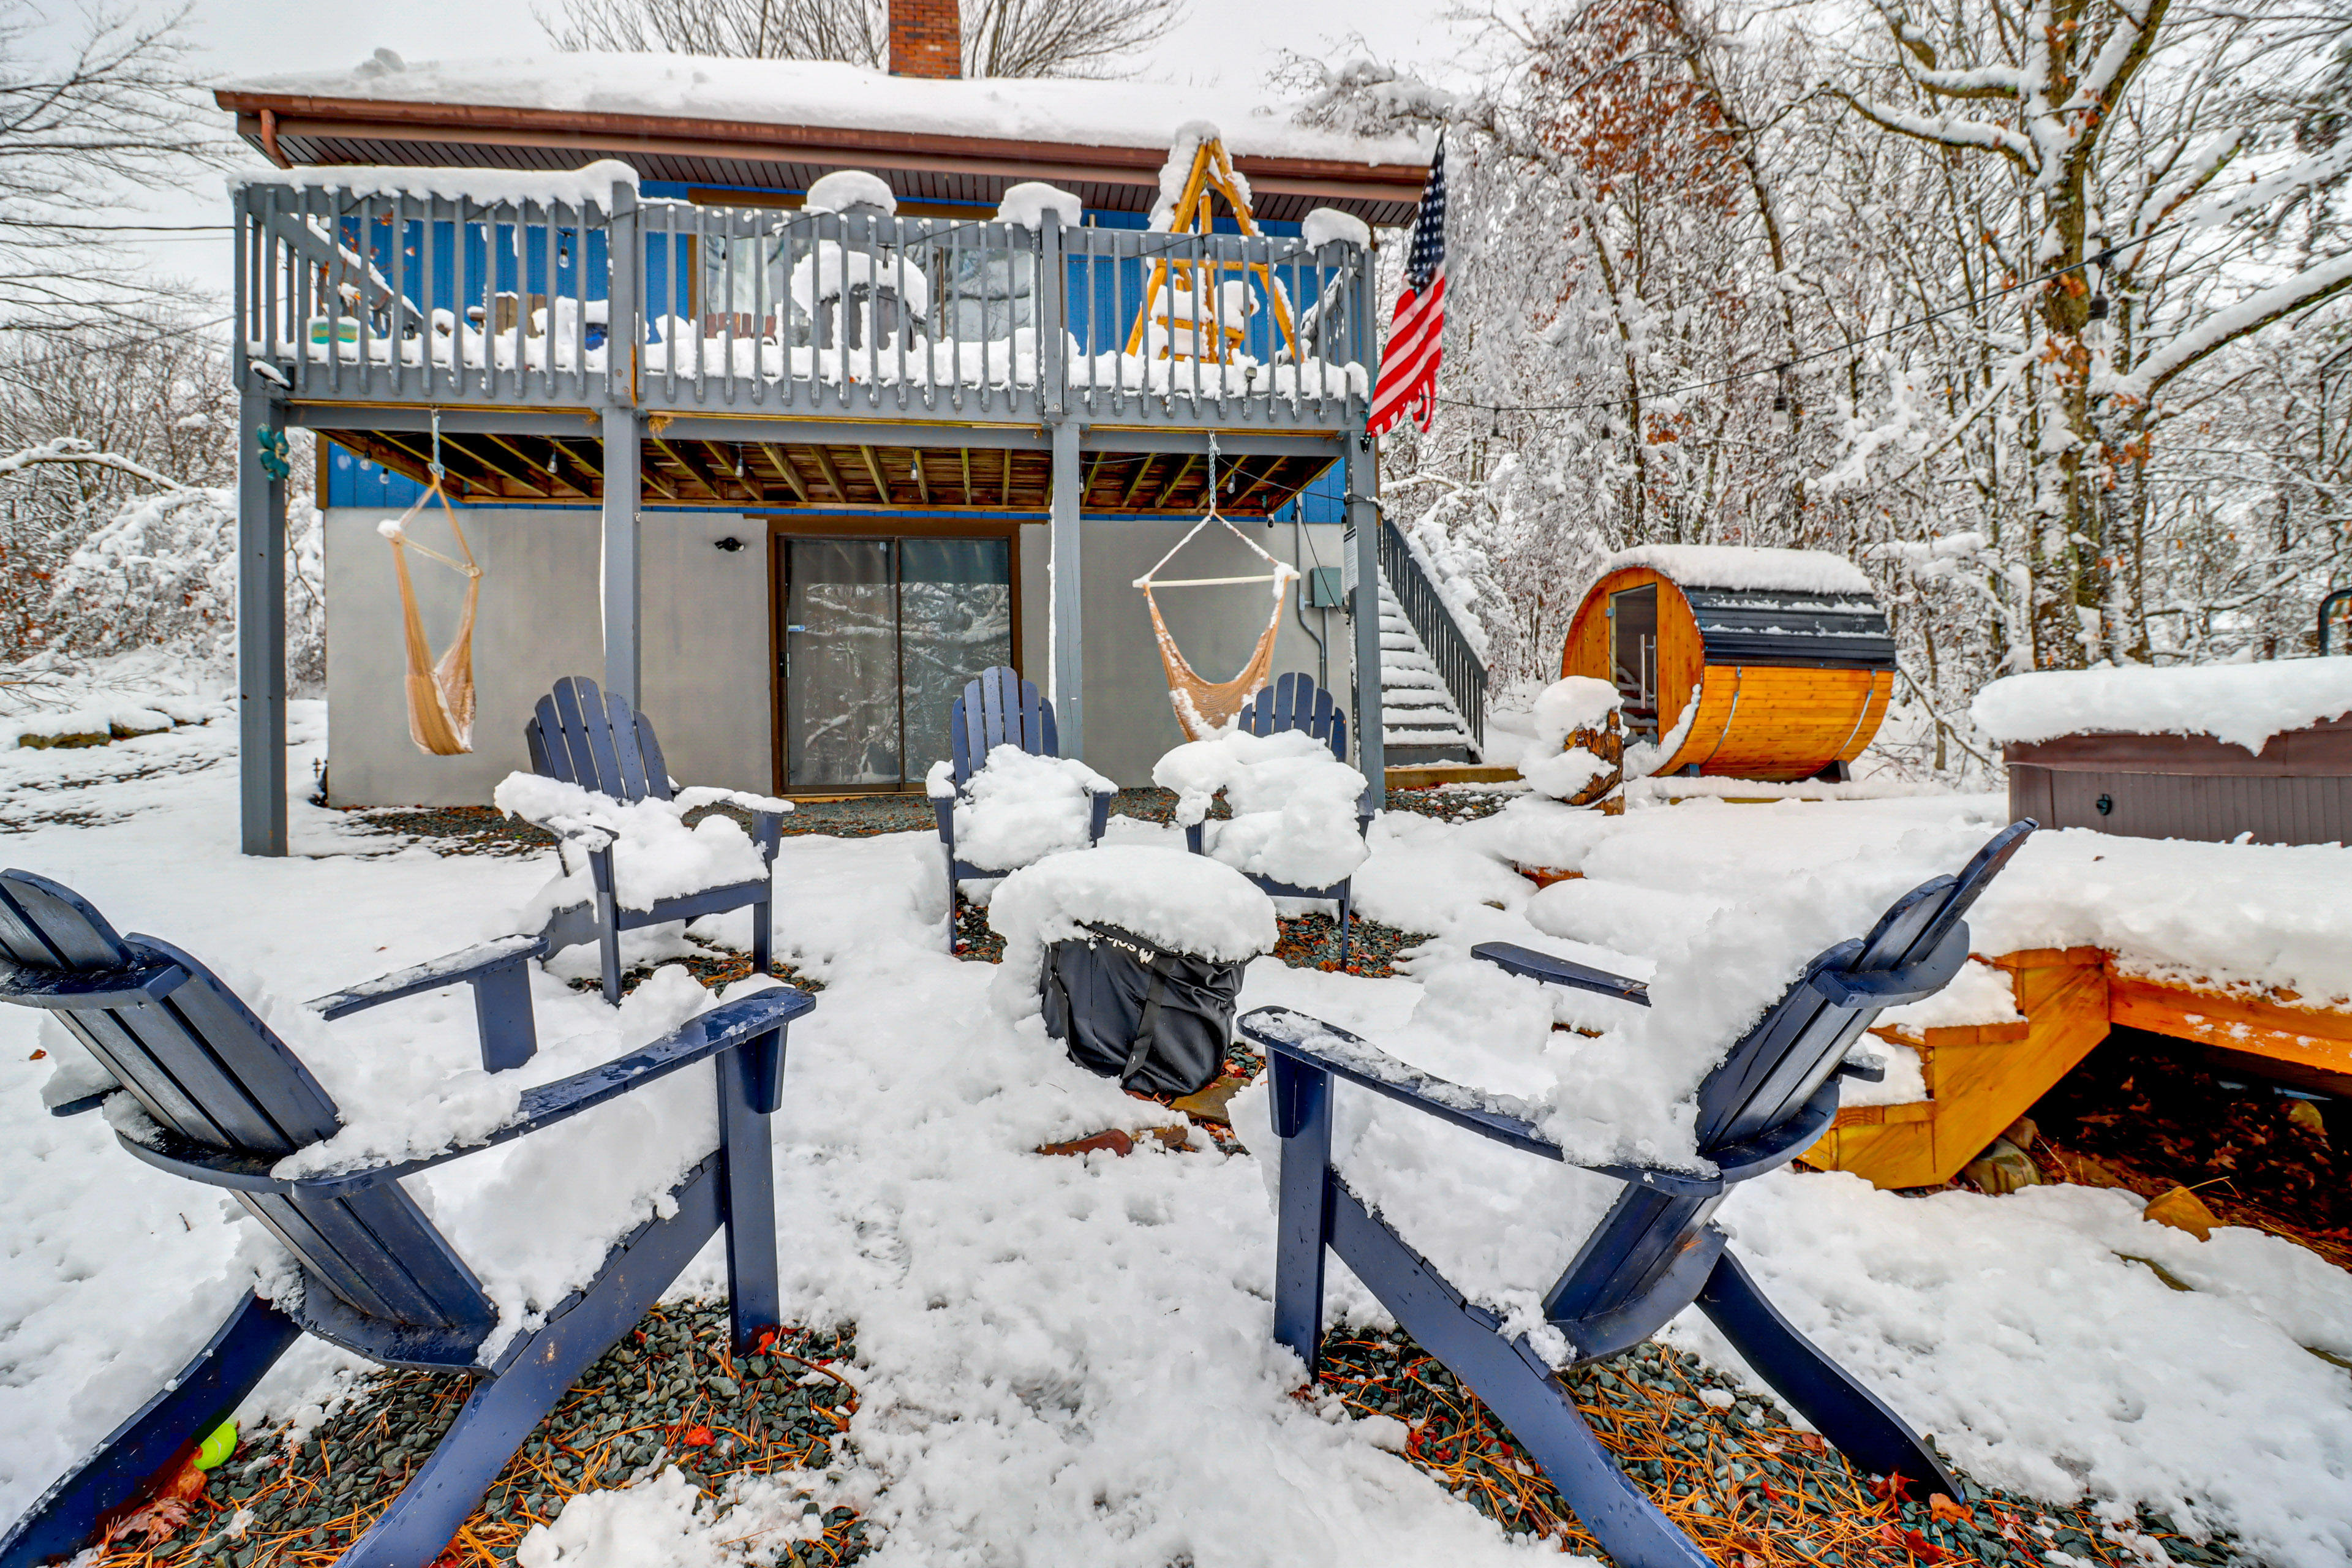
point(1408, 382)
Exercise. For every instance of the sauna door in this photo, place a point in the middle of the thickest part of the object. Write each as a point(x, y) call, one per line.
point(1633, 653)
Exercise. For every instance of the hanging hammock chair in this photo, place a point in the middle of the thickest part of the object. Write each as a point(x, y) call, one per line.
point(1202, 706)
point(440, 692)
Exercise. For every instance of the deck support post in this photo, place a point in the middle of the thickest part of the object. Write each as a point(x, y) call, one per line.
point(1066, 577)
point(618, 565)
point(260, 626)
point(1364, 521)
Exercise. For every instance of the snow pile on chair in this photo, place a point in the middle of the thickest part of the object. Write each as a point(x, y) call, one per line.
point(1187, 903)
point(1578, 750)
point(655, 855)
point(1017, 807)
point(1294, 803)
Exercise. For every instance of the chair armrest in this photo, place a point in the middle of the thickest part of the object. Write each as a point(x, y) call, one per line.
point(943, 807)
point(1099, 814)
point(700, 796)
point(503, 1021)
point(1513, 958)
point(1194, 833)
point(1309, 1039)
point(1321, 1045)
point(767, 812)
point(1864, 1069)
point(78, 990)
point(433, 974)
point(724, 1028)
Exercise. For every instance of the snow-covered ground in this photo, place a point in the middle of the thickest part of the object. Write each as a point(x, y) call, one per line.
point(1068, 1360)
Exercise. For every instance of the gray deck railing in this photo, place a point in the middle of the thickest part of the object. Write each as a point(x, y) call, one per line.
point(1433, 621)
point(404, 297)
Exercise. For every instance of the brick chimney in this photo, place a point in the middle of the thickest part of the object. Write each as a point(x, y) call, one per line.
point(926, 39)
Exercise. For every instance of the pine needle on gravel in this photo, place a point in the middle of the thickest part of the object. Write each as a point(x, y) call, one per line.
point(669, 1393)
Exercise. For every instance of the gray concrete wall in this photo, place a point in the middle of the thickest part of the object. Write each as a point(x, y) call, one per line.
point(706, 647)
point(707, 669)
point(1130, 723)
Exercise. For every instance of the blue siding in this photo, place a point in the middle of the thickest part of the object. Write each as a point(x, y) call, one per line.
point(513, 262)
point(1104, 300)
point(1325, 500)
point(354, 481)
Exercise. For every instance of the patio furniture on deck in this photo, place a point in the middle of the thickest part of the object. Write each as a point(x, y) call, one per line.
point(997, 708)
point(1654, 1253)
point(224, 1102)
point(583, 736)
point(1294, 702)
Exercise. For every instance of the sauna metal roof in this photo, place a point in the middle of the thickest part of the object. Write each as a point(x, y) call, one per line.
point(1759, 626)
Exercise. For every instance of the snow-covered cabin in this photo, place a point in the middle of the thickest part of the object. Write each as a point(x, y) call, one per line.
point(868, 403)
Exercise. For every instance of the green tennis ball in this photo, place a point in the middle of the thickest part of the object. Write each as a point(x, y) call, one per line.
point(217, 1448)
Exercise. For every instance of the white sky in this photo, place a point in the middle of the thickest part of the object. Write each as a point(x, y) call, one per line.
point(1220, 41)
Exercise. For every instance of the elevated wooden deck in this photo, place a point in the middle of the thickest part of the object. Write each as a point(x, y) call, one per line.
point(789, 358)
point(1981, 1078)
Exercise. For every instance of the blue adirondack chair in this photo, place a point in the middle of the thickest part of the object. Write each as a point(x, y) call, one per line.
point(1654, 1253)
point(1294, 702)
point(997, 708)
point(230, 1101)
point(590, 738)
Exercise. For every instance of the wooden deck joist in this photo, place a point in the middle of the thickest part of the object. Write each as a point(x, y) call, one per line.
point(488, 468)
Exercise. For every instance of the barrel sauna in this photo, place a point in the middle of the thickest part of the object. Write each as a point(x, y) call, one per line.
point(1756, 664)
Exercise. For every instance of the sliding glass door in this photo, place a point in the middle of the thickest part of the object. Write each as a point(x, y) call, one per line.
point(879, 635)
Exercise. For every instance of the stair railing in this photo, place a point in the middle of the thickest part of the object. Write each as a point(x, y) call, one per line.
point(1433, 621)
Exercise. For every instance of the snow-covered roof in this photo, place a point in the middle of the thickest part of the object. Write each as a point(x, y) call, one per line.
point(829, 94)
point(1736, 566)
point(2242, 704)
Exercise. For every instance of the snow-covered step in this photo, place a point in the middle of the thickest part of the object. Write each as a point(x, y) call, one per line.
point(1419, 721)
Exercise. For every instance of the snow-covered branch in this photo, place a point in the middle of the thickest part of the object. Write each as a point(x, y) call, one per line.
point(70, 450)
point(2257, 311)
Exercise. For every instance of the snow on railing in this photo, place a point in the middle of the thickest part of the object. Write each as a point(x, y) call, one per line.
point(439, 293)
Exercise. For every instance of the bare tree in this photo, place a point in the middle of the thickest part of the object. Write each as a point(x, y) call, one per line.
point(119, 113)
point(1000, 38)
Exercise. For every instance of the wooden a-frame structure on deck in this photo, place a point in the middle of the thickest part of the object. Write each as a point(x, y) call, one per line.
point(1174, 280)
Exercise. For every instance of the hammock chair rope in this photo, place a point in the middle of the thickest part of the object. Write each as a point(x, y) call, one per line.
point(1203, 706)
point(440, 692)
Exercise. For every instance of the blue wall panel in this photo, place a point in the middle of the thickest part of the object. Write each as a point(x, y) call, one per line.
point(354, 481)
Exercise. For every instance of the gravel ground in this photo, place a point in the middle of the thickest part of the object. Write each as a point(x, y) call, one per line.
point(1750, 1488)
point(668, 1393)
point(714, 967)
point(1452, 803)
point(485, 830)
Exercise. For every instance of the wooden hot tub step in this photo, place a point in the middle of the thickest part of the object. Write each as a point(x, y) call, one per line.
point(1981, 1078)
